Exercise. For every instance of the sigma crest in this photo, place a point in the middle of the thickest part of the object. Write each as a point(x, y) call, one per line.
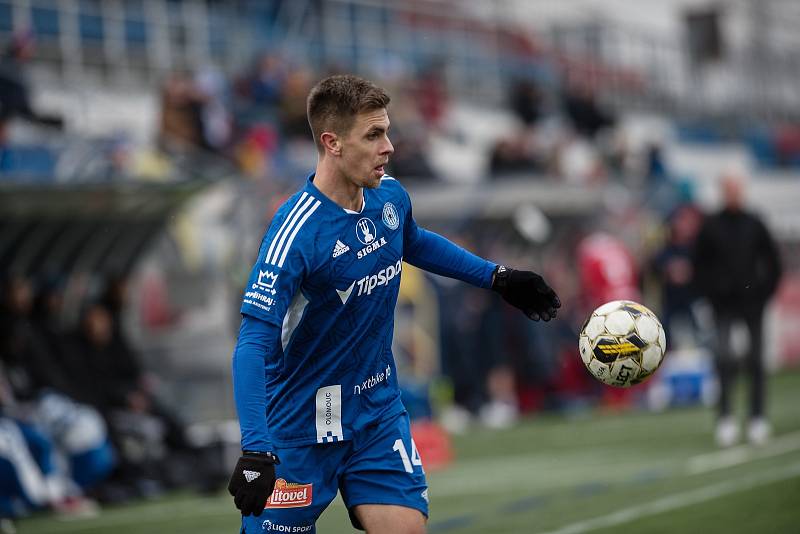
point(365, 230)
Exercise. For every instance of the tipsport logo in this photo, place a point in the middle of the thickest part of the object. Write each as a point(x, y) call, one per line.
point(367, 284)
point(381, 278)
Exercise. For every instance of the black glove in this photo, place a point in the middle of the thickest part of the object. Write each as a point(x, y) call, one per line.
point(527, 291)
point(252, 481)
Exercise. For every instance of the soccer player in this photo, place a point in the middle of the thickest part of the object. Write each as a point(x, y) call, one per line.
point(314, 378)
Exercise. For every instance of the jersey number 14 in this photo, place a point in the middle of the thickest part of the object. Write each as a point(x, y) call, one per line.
point(408, 463)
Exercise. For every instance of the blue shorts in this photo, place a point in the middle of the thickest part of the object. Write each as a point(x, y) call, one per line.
point(379, 466)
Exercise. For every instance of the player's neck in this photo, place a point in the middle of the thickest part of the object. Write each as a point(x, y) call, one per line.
point(338, 188)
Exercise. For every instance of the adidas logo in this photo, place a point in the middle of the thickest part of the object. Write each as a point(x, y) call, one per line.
point(250, 475)
point(339, 249)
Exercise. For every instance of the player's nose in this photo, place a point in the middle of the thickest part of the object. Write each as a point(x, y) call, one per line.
point(387, 149)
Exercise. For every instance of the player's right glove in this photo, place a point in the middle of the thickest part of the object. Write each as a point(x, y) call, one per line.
point(252, 481)
point(527, 291)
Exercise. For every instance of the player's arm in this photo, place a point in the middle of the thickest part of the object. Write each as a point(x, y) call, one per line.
point(437, 254)
point(253, 477)
point(525, 290)
point(276, 277)
point(258, 341)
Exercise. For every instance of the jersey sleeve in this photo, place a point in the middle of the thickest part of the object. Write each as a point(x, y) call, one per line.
point(436, 254)
point(255, 349)
point(285, 257)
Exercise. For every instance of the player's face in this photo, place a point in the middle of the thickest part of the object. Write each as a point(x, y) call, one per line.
point(366, 149)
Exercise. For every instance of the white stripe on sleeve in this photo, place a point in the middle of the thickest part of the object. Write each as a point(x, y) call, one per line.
point(283, 227)
point(296, 229)
point(281, 239)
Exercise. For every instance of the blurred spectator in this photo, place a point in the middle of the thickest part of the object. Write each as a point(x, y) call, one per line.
point(154, 451)
point(115, 298)
point(293, 119)
point(29, 365)
point(80, 436)
point(737, 268)
point(216, 119)
point(526, 101)
point(470, 347)
point(430, 94)
point(656, 168)
point(787, 145)
point(581, 107)
point(14, 91)
point(264, 86)
point(672, 265)
point(513, 154)
point(607, 270)
point(108, 372)
point(53, 334)
point(35, 410)
point(181, 126)
point(31, 478)
point(253, 151)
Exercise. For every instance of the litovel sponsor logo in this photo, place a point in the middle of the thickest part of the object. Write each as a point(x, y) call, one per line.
point(290, 495)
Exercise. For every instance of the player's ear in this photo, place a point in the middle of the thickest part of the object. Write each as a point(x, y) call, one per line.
point(331, 143)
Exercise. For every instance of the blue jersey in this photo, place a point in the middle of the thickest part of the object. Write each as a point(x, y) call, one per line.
point(328, 278)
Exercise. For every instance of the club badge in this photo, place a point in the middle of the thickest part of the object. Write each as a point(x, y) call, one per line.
point(390, 217)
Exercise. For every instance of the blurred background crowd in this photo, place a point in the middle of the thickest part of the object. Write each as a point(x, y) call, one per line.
point(145, 145)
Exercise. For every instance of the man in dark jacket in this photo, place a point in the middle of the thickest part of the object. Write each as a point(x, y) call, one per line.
point(737, 267)
point(15, 98)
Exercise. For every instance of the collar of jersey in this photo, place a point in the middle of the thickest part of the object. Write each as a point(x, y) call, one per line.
point(330, 203)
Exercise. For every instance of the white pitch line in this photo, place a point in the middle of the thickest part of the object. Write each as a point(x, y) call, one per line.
point(743, 453)
point(681, 500)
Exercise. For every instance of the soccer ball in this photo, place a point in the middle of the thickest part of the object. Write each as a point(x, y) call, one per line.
point(622, 343)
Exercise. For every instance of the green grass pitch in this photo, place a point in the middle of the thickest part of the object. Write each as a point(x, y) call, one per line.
point(632, 472)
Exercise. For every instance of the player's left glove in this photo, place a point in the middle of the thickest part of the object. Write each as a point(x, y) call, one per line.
point(527, 291)
point(252, 481)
